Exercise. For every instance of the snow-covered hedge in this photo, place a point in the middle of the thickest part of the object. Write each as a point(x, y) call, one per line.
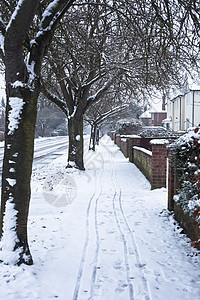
point(157, 132)
point(130, 126)
point(187, 162)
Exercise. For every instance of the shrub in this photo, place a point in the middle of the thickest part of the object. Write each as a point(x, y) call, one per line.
point(187, 160)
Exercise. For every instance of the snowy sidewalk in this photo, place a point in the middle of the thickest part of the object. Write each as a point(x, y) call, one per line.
point(102, 234)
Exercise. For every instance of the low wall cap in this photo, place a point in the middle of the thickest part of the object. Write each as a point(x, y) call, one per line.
point(159, 142)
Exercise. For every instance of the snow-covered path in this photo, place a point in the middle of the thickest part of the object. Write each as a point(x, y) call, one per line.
point(102, 234)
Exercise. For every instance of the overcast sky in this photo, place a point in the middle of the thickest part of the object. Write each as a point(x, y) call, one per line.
point(156, 103)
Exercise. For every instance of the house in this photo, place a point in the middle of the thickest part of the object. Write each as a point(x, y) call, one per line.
point(157, 118)
point(153, 117)
point(183, 108)
point(145, 118)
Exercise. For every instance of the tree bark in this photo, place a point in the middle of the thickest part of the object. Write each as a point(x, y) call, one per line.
point(17, 167)
point(22, 89)
point(75, 132)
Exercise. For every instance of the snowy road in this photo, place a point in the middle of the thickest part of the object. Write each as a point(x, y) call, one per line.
point(114, 239)
point(46, 149)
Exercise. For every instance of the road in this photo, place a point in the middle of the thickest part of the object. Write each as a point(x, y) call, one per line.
point(46, 149)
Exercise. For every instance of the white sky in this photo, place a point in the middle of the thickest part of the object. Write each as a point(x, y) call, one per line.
point(156, 101)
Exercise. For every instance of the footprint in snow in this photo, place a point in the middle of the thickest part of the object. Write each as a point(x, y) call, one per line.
point(118, 264)
point(122, 285)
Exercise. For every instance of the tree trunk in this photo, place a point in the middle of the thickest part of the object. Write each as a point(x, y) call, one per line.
point(17, 168)
point(75, 132)
point(93, 137)
point(97, 136)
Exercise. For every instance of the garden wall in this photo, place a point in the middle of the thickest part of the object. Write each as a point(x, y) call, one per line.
point(153, 164)
point(142, 159)
point(156, 165)
point(184, 218)
point(188, 223)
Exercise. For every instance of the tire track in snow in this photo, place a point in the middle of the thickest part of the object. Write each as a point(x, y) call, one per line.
point(85, 279)
point(129, 241)
point(118, 221)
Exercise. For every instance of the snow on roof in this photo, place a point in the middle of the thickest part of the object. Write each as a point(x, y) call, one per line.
point(158, 112)
point(131, 136)
point(167, 120)
point(145, 114)
point(191, 85)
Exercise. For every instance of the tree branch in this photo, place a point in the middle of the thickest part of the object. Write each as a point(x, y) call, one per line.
point(59, 102)
point(101, 91)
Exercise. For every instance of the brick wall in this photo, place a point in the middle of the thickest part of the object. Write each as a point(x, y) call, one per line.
point(159, 163)
point(117, 140)
point(133, 141)
point(153, 164)
point(142, 159)
point(188, 223)
point(124, 146)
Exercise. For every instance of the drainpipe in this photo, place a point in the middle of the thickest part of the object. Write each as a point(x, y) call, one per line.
point(193, 109)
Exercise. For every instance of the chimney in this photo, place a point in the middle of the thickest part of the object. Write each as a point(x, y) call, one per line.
point(163, 102)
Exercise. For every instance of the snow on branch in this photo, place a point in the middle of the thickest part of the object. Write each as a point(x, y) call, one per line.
point(52, 15)
point(110, 113)
point(56, 100)
point(86, 84)
point(74, 112)
point(103, 89)
point(20, 22)
point(18, 7)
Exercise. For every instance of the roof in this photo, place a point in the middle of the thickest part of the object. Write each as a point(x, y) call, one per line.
point(191, 85)
point(158, 112)
point(145, 114)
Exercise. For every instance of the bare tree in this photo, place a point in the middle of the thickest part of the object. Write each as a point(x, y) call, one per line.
point(26, 30)
point(106, 47)
point(98, 115)
point(78, 66)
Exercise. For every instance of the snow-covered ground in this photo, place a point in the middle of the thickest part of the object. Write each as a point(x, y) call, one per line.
point(102, 234)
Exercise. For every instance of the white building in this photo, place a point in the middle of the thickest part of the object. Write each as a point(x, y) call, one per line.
point(183, 109)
